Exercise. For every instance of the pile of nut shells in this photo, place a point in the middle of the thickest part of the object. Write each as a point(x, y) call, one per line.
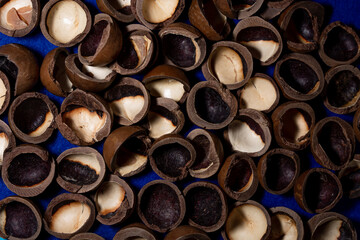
point(123, 132)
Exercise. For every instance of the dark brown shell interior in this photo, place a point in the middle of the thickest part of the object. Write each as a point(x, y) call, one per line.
point(351, 181)
point(280, 171)
point(122, 91)
point(300, 27)
point(164, 112)
point(202, 145)
point(10, 69)
point(345, 230)
point(212, 15)
point(256, 34)
point(340, 45)
point(131, 145)
point(179, 49)
point(93, 39)
point(76, 173)
point(239, 5)
point(289, 124)
point(239, 175)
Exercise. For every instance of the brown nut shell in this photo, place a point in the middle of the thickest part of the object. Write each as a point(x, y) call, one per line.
point(114, 200)
point(32, 117)
point(330, 223)
point(206, 206)
point(164, 117)
point(21, 219)
point(80, 169)
point(183, 46)
point(24, 19)
point(126, 149)
point(299, 76)
point(168, 82)
point(301, 23)
point(144, 12)
point(356, 124)
point(292, 116)
point(342, 94)
point(260, 93)
point(278, 169)
point(186, 232)
point(250, 215)
point(87, 236)
point(135, 230)
point(165, 199)
point(69, 214)
point(7, 139)
point(285, 223)
point(229, 63)
point(76, 129)
point(129, 101)
point(88, 78)
point(210, 105)
point(349, 177)
point(5, 92)
point(238, 9)
point(20, 66)
point(120, 12)
point(255, 126)
point(171, 156)
point(238, 177)
point(103, 43)
point(272, 8)
point(339, 44)
point(209, 153)
point(333, 143)
point(58, 36)
point(317, 190)
point(28, 170)
point(53, 75)
point(139, 51)
point(258, 36)
point(204, 15)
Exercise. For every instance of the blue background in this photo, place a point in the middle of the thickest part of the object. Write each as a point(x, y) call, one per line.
point(347, 11)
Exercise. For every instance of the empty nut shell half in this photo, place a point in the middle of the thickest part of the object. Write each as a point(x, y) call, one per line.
point(261, 38)
point(20, 66)
point(210, 105)
point(168, 82)
point(53, 75)
point(126, 149)
point(260, 93)
point(129, 100)
point(339, 44)
point(317, 190)
point(299, 76)
point(206, 206)
point(183, 46)
point(238, 177)
point(247, 220)
point(69, 214)
point(356, 124)
point(88, 78)
point(204, 15)
point(171, 156)
point(28, 170)
point(120, 10)
point(164, 117)
point(84, 118)
point(249, 132)
point(114, 200)
point(7, 140)
point(157, 14)
point(32, 117)
point(65, 23)
point(331, 224)
point(80, 170)
point(292, 124)
point(229, 63)
point(301, 23)
point(272, 8)
point(285, 223)
point(278, 169)
point(135, 230)
point(139, 51)
point(87, 236)
point(5, 92)
point(209, 153)
point(349, 177)
point(333, 143)
point(19, 18)
point(103, 43)
point(342, 94)
point(186, 232)
point(20, 219)
point(238, 9)
point(161, 206)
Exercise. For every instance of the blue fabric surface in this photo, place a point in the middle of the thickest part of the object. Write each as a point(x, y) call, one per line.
point(348, 11)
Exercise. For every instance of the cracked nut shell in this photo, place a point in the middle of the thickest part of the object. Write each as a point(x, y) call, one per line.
point(349, 177)
point(238, 9)
point(7, 140)
point(186, 232)
point(272, 8)
point(135, 230)
point(87, 236)
point(120, 10)
point(5, 92)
